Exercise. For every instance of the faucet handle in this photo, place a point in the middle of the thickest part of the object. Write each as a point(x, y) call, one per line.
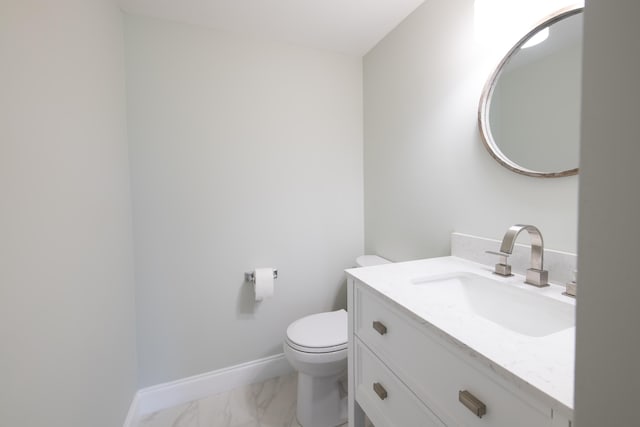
point(502, 268)
point(572, 286)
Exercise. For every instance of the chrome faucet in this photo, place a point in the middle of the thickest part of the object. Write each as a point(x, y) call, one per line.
point(536, 275)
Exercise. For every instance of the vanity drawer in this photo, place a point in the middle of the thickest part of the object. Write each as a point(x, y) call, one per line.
point(436, 371)
point(386, 401)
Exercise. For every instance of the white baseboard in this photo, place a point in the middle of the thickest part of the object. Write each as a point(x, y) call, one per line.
point(162, 396)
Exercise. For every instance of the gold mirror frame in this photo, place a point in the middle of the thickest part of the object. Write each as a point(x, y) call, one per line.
point(485, 100)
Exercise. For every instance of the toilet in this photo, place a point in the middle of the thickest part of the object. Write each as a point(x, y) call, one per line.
point(316, 346)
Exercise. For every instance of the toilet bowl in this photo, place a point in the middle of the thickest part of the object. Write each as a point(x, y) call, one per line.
point(316, 346)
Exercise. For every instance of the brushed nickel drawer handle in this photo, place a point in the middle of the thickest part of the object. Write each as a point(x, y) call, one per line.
point(472, 403)
point(380, 391)
point(378, 326)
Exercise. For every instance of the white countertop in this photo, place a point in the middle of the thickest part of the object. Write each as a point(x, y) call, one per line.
point(543, 366)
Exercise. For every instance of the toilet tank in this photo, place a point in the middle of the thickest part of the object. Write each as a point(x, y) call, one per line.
point(370, 260)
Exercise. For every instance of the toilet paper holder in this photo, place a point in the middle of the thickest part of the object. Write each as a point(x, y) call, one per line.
point(251, 276)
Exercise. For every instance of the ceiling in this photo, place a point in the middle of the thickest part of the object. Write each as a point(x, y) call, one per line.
point(347, 26)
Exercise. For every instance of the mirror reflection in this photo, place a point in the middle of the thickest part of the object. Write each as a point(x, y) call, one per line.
point(530, 111)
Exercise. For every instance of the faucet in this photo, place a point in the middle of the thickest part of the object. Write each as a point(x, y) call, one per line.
point(536, 275)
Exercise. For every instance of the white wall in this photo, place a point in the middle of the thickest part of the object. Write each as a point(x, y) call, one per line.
point(426, 171)
point(607, 339)
point(244, 154)
point(66, 276)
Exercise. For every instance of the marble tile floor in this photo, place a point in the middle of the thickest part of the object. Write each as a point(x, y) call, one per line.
point(271, 403)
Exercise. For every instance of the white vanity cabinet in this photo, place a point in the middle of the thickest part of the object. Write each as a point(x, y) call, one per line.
point(404, 372)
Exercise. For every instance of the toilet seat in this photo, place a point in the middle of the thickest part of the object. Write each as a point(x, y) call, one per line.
point(319, 333)
point(303, 349)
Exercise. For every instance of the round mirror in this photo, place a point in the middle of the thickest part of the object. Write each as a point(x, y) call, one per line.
point(529, 112)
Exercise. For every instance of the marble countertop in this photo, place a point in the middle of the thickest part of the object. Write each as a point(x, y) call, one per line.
point(542, 366)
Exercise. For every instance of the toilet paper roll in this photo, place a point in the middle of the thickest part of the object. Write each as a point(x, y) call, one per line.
point(263, 283)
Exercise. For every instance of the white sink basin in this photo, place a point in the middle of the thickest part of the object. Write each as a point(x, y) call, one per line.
point(519, 310)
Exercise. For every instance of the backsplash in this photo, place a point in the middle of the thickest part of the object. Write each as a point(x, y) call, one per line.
point(559, 264)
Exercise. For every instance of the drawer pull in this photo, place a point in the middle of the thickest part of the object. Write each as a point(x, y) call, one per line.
point(380, 391)
point(378, 326)
point(472, 403)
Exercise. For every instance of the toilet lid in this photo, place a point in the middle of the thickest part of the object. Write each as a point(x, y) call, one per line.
point(370, 260)
point(322, 331)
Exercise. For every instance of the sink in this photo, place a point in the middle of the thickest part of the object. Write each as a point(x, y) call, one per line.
point(522, 311)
